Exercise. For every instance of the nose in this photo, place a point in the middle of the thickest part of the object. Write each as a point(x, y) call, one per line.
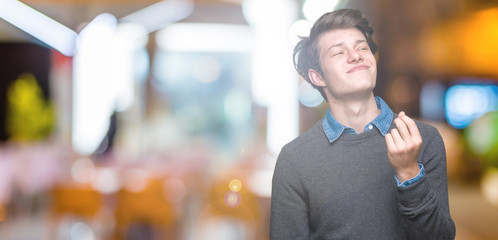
point(354, 57)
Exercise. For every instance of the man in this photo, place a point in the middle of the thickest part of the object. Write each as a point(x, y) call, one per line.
point(362, 172)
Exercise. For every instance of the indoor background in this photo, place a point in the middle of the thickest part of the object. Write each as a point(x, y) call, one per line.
point(147, 119)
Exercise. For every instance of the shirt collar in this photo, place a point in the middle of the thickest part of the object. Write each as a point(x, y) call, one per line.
point(333, 129)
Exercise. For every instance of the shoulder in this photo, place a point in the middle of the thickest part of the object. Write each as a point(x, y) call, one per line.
point(315, 135)
point(302, 146)
point(295, 161)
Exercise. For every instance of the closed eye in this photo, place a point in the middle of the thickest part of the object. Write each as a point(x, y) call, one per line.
point(363, 48)
point(337, 53)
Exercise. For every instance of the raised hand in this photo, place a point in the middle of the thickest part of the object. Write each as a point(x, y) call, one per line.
point(403, 146)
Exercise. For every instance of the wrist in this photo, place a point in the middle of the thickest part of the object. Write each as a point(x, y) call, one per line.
point(407, 173)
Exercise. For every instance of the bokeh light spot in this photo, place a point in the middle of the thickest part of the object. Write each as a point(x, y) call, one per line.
point(489, 186)
point(135, 180)
point(235, 185)
point(81, 231)
point(313, 9)
point(299, 29)
point(467, 102)
point(83, 170)
point(232, 199)
point(309, 96)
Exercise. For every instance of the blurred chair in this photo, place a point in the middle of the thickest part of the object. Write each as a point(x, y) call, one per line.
point(73, 203)
point(77, 200)
point(144, 214)
point(3, 212)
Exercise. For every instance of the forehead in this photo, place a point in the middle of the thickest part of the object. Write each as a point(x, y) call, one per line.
point(340, 36)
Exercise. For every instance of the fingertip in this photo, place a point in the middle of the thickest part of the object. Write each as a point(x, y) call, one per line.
point(403, 116)
point(406, 118)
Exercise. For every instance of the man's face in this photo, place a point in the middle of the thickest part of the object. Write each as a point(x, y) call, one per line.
point(349, 67)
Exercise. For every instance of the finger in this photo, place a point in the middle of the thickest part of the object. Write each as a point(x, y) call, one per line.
point(398, 141)
point(412, 126)
point(402, 129)
point(391, 146)
point(401, 114)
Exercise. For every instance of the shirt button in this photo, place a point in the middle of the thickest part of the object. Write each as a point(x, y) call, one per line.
point(370, 126)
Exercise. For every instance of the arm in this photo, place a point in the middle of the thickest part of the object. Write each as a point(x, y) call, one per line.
point(424, 204)
point(289, 209)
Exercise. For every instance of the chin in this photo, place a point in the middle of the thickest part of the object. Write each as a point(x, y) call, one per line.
point(360, 94)
point(367, 87)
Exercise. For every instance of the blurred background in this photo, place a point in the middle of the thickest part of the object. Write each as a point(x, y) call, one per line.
point(147, 119)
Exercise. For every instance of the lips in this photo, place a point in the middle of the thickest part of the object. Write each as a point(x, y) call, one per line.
point(358, 68)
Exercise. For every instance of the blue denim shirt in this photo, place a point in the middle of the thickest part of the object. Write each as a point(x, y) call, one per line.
point(333, 129)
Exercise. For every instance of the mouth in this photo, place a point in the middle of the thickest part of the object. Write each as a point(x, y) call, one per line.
point(358, 68)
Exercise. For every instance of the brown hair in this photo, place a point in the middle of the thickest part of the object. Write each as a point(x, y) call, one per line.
point(306, 53)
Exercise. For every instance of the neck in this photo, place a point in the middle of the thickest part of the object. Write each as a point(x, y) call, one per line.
point(355, 113)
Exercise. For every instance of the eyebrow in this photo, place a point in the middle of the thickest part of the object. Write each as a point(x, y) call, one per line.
point(342, 43)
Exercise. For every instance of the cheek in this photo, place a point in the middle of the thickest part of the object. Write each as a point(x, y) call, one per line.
point(332, 69)
point(374, 70)
point(371, 58)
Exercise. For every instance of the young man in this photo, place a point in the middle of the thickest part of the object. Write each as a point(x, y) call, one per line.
point(362, 172)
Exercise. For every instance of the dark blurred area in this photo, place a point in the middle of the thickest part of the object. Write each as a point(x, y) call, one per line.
point(133, 119)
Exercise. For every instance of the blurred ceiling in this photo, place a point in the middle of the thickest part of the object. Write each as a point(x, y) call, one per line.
point(437, 35)
point(75, 13)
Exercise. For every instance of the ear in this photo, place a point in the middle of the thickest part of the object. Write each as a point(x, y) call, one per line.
point(316, 78)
